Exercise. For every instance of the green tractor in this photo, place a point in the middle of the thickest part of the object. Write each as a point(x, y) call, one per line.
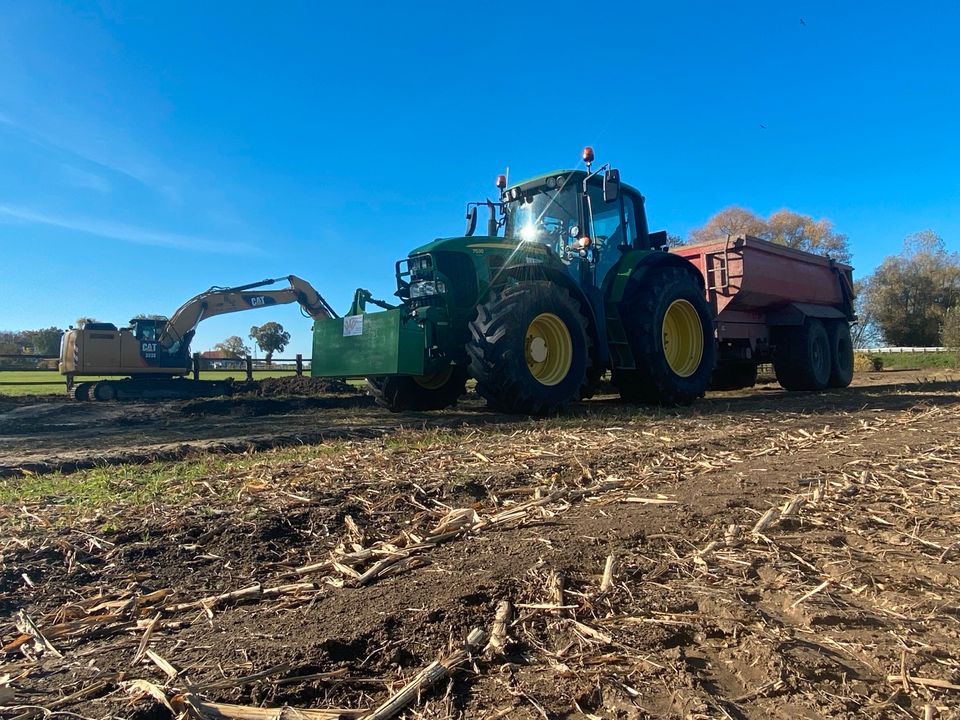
point(567, 283)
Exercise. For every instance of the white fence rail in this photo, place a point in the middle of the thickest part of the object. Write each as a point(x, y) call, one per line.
point(904, 350)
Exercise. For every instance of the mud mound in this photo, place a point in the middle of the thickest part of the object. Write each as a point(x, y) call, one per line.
point(247, 406)
point(293, 385)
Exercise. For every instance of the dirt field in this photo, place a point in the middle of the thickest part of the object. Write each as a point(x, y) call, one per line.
point(768, 555)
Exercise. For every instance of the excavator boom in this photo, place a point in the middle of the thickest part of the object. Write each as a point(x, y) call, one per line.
point(183, 323)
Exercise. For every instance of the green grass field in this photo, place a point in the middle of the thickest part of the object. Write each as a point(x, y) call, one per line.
point(54, 382)
point(919, 361)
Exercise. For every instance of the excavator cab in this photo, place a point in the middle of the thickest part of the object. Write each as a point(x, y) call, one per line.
point(147, 328)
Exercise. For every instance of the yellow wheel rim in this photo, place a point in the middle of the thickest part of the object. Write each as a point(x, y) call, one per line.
point(682, 338)
point(548, 348)
point(434, 381)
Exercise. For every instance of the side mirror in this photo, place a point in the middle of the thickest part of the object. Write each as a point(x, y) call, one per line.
point(611, 185)
point(471, 221)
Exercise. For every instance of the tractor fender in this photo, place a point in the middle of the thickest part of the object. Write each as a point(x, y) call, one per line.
point(592, 304)
point(634, 265)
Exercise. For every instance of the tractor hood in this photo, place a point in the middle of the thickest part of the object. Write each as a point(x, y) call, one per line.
point(456, 244)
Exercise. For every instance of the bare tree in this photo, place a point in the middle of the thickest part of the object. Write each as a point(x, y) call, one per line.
point(730, 221)
point(864, 333)
point(233, 347)
point(785, 227)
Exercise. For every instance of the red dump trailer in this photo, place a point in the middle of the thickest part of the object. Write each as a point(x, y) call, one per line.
point(777, 305)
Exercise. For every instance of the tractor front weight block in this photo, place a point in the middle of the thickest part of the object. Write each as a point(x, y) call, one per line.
point(370, 344)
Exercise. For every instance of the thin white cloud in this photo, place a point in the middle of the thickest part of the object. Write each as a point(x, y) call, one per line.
point(83, 179)
point(147, 173)
point(127, 233)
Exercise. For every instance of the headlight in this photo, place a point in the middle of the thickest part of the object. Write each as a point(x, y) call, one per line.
point(426, 288)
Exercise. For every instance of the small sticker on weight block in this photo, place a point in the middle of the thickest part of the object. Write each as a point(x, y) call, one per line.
point(353, 325)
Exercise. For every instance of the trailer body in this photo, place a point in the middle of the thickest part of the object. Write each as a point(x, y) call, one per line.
point(756, 288)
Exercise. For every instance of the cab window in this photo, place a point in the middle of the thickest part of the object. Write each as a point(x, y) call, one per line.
point(609, 234)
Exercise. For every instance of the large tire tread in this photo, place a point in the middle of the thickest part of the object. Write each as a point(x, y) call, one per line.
point(653, 382)
point(841, 354)
point(794, 356)
point(399, 393)
point(497, 358)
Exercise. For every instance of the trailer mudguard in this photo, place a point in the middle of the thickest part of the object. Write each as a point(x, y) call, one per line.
point(795, 313)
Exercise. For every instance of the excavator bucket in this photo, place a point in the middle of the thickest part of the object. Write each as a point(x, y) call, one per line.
point(369, 344)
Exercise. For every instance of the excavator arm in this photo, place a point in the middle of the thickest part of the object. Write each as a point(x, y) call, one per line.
point(180, 328)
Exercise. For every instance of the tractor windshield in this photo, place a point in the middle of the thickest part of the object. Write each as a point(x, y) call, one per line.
point(548, 218)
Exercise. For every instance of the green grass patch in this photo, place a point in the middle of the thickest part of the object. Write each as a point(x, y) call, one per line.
point(919, 360)
point(55, 383)
point(201, 480)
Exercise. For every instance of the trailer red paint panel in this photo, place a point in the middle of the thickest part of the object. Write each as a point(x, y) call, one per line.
point(759, 289)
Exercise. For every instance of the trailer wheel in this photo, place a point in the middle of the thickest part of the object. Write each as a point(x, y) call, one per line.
point(734, 376)
point(529, 349)
point(670, 330)
point(427, 392)
point(802, 356)
point(841, 354)
point(104, 391)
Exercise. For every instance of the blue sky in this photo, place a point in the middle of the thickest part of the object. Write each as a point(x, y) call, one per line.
point(151, 150)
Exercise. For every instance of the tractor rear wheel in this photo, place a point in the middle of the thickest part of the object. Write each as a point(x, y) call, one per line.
point(841, 354)
point(529, 349)
point(802, 359)
point(734, 376)
point(426, 392)
point(670, 330)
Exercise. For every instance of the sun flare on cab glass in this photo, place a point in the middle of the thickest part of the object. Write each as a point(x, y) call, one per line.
point(528, 233)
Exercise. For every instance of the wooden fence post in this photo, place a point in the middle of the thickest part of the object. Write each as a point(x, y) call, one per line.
point(299, 365)
point(249, 369)
point(196, 366)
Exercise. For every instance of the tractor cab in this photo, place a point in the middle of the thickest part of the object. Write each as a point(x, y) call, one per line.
point(587, 219)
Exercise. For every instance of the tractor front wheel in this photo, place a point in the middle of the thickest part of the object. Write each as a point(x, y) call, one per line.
point(670, 329)
point(529, 349)
point(425, 392)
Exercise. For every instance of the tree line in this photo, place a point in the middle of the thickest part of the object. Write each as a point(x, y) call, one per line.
point(269, 337)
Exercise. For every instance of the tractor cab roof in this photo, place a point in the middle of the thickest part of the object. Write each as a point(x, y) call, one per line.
point(558, 178)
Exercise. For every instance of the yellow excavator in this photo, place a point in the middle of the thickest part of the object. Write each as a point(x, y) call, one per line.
point(155, 352)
